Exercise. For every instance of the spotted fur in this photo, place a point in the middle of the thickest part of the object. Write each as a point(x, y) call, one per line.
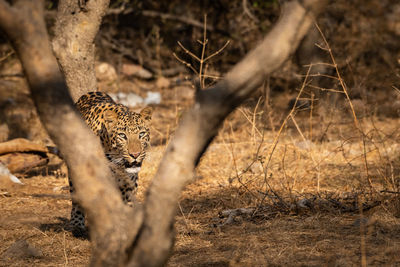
point(125, 136)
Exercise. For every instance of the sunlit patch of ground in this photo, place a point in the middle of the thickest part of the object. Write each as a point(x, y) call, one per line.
point(235, 173)
point(321, 191)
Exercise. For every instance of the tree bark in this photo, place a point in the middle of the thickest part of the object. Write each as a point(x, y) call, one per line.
point(76, 27)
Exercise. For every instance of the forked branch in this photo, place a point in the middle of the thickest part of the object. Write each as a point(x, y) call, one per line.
point(201, 124)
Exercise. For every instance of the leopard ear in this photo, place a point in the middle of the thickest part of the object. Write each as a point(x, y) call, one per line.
point(146, 113)
point(110, 117)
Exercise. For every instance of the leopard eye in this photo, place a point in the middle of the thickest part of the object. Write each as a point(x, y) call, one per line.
point(141, 134)
point(123, 136)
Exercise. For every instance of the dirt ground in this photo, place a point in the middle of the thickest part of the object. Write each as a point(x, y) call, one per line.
point(314, 186)
point(314, 203)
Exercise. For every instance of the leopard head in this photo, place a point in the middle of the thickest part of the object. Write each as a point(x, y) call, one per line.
point(127, 137)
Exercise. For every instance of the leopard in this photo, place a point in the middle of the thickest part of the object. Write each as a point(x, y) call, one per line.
point(125, 138)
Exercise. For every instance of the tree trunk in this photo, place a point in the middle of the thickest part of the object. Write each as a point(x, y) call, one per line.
point(96, 191)
point(76, 27)
point(200, 125)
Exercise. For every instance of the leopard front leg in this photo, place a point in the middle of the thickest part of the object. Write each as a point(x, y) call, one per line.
point(128, 188)
point(77, 221)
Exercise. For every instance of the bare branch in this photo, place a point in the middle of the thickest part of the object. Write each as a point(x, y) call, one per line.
point(248, 12)
point(200, 125)
point(165, 16)
point(185, 63)
point(397, 89)
point(188, 52)
point(6, 55)
point(217, 52)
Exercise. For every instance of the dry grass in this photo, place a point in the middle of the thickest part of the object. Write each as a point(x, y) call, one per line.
point(322, 183)
point(233, 174)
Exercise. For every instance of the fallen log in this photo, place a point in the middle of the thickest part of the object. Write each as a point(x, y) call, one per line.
point(21, 155)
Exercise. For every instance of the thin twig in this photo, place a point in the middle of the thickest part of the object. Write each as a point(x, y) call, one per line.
point(184, 217)
point(389, 192)
point(6, 55)
point(188, 52)
point(249, 120)
point(195, 23)
point(238, 174)
point(310, 135)
point(316, 165)
point(219, 51)
point(65, 250)
point(320, 63)
point(248, 12)
point(286, 119)
point(204, 44)
point(202, 59)
point(344, 87)
point(212, 76)
point(342, 84)
point(326, 89)
point(275, 143)
point(185, 63)
point(321, 75)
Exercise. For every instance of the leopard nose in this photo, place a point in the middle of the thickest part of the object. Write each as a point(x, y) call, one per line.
point(135, 155)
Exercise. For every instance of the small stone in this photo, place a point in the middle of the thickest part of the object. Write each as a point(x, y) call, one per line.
point(130, 99)
point(133, 100)
point(22, 249)
point(137, 71)
point(306, 145)
point(153, 98)
point(162, 83)
point(6, 176)
point(105, 72)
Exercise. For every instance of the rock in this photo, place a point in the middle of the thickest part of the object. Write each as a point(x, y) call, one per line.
point(136, 70)
point(105, 72)
point(133, 100)
point(364, 221)
point(257, 167)
point(6, 176)
point(130, 99)
point(304, 203)
point(153, 98)
point(162, 83)
point(4, 132)
point(306, 145)
point(22, 249)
